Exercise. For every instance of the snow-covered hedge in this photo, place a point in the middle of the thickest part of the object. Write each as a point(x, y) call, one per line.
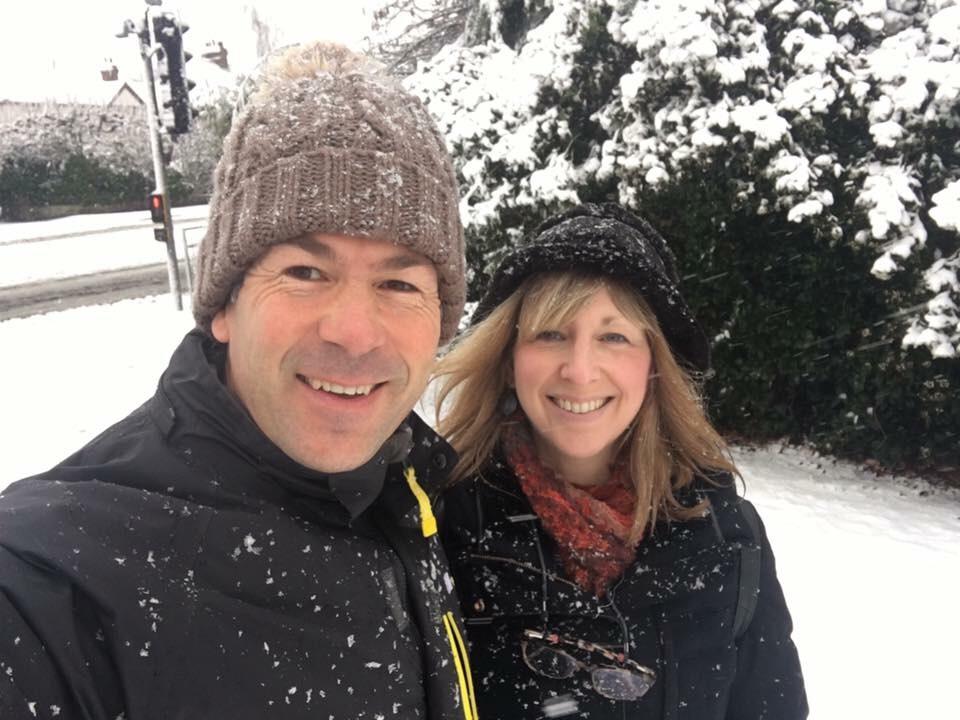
point(88, 156)
point(74, 156)
point(805, 148)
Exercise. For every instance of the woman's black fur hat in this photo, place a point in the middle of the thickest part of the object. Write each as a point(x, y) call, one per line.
point(607, 240)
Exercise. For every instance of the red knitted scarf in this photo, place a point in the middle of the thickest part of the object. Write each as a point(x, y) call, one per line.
point(590, 525)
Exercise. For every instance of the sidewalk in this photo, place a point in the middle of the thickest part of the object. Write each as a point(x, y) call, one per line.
point(86, 244)
point(77, 225)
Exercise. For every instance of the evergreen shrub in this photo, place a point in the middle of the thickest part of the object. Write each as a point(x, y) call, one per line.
point(89, 158)
point(806, 344)
point(800, 157)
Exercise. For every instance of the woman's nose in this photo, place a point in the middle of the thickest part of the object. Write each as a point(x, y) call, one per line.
point(579, 364)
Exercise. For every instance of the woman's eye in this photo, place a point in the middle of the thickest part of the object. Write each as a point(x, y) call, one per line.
point(304, 272)
point(399, 286)
point(550, 335)
point(614, 338)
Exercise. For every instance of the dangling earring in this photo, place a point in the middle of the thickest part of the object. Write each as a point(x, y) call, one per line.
point(508, 402)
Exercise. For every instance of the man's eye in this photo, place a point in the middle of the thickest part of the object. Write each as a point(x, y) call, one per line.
point(399, 286)
point(304, 272)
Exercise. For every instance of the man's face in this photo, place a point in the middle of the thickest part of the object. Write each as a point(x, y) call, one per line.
point(331, 341)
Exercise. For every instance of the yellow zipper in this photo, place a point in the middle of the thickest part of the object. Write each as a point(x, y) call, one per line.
point(462, 662)
point(428, 522)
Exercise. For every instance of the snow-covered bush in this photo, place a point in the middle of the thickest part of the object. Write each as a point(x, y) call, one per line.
point(833, 101)
point(77, 156)
point(802, 155)
point(117, 140)
point(87, 156)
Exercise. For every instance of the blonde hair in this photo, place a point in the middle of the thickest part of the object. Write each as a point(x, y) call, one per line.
point(669, 443)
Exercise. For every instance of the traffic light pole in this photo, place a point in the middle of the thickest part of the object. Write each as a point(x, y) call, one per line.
point(147, 51)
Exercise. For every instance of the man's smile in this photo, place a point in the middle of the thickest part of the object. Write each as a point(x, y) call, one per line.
point(336, 388)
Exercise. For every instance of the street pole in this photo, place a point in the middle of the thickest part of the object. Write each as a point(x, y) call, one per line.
point(147, 51)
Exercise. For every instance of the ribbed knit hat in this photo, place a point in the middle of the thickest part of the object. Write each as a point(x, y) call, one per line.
point(331, 145)
point(605, 239)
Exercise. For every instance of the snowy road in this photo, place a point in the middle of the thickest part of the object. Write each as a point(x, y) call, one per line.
point(871, 569)
point(100, 287)
point(83, 259)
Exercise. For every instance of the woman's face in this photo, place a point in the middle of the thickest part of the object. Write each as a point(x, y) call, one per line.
point(581, 385)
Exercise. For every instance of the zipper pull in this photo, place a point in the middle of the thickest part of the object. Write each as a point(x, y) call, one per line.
point(428, 522)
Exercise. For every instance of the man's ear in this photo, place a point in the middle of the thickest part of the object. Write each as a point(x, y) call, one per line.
point(219, 326)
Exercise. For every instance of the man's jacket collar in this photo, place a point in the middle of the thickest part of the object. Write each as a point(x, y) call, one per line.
point(195, 401)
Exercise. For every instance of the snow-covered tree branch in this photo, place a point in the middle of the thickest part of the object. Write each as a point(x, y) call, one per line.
point(802, 157)
point(840, 115)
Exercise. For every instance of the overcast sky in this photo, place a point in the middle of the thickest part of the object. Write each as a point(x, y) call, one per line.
point(55, 48)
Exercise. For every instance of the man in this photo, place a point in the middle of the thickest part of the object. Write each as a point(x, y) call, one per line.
point(257, 540)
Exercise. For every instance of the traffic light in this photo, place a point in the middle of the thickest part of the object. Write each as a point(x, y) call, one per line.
point(156, 208)
point(168, 33)
point(157, 203)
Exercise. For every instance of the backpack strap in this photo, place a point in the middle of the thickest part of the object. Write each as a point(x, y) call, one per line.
point(749, 590)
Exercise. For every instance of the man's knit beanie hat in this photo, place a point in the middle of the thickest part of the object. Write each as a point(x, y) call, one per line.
point(605, 239)
point(329, 143)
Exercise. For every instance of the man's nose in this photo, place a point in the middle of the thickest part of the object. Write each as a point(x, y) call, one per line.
point(351, 319)
point(579, 365)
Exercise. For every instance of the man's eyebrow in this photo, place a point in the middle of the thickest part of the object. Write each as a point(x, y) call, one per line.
point(400, 260)
point(314, 247)
point(404, 259)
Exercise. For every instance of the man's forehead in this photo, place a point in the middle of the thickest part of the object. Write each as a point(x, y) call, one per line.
point(333, 247)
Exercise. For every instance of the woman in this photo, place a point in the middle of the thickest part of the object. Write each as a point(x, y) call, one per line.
point(605, 564)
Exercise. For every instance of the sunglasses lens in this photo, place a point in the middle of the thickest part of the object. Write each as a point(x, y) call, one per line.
point(549, 662)
point(620, 684)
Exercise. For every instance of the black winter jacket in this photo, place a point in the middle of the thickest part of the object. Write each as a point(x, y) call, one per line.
point(701, 605)
point(181, 567)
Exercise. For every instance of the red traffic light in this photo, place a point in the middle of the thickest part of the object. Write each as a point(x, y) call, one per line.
point(156, 208)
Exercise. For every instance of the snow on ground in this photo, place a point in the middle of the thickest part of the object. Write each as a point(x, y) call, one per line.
point(871, 568)
point(70, 256)
point(90, 222)
point(871, 572)
point(82, 244)
point(68, 375)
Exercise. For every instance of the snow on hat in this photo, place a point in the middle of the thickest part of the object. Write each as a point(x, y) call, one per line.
point(329, 143)
point(607, 240)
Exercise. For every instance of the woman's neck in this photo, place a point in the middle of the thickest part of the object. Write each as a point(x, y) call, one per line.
point(581, 472)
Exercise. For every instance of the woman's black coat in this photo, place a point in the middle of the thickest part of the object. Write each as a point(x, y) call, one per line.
point(701, 605)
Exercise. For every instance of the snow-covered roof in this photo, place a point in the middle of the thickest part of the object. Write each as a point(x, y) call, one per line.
point(211, 79)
